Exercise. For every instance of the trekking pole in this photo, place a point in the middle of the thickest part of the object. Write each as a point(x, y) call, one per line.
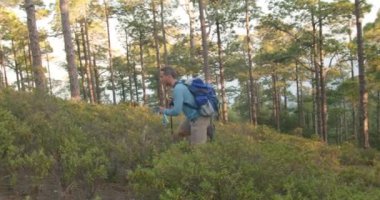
point(167, 104)
point(171, 124)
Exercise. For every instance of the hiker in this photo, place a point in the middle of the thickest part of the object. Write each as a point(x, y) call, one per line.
point(194, 127)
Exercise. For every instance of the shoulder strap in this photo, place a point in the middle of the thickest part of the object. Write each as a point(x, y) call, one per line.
point(185, 103)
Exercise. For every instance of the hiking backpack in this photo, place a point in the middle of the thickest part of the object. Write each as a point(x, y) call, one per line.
point(205, 97)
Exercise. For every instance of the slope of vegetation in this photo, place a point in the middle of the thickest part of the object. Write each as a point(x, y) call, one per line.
point(54, 149)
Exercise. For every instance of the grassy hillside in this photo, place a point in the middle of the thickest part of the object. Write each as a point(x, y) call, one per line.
point(55, 149)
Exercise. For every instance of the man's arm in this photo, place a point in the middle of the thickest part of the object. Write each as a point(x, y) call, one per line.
point(178, 101)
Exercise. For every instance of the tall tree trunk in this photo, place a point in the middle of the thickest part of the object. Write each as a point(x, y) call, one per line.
point(5, 77)
point(95, 76)
point(69, 48)
point(314, 114)
point(136, 83)
point(302, 111)
point(145, 98)
point(122, 83)
point(252, 103)
point(87, 61)
point(129, 70)
point(217, 77)
point(123, 92)
point(90, 63)
point(97, 81)
point(322, 75)
point(249, 96)
point(350, 54)
point(112, 79)
point(276, 100)
point(4, 81)
point(130, 85)
point(344, 119)
point(258, 105)
point(301, 122)
point(317, 86)
point(16, 65)
point(337, 131)
point(363, 100)
point(27, 66)
point(353, 114)
point(49, 73)
point(221, 72)
point(31, 75)
point(190, 12)
point(39, 76)
point(22, 80)
point(81, 67)
point(202, 19)
point(166, 61)
point(158, 59)
point(344, 124)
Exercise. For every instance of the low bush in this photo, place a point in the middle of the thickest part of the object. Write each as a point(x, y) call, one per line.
point(73, 148)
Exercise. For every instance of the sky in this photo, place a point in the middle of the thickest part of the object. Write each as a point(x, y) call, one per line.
point(58, 56)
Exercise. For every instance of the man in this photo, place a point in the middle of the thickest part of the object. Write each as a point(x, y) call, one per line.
point(195, 125)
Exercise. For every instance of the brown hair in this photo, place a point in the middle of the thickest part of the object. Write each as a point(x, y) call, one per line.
point(169, 71)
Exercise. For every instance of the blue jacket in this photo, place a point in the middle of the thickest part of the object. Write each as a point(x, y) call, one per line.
point(181, 96)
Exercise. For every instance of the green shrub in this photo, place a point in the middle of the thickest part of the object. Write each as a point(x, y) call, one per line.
point(83, 146)
point(12, 134)
point(350, 155)
point(236, 168)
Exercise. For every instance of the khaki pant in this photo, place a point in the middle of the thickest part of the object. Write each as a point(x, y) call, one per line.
point(194, 131)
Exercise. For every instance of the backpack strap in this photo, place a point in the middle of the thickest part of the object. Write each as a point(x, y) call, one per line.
point(185, 103)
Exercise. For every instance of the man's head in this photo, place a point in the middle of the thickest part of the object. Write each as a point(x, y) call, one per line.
point(168, 76)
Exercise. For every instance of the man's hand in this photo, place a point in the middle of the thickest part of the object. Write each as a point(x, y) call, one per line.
point(170, 102)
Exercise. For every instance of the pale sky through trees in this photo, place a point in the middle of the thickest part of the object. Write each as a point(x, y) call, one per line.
point(117, 39)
